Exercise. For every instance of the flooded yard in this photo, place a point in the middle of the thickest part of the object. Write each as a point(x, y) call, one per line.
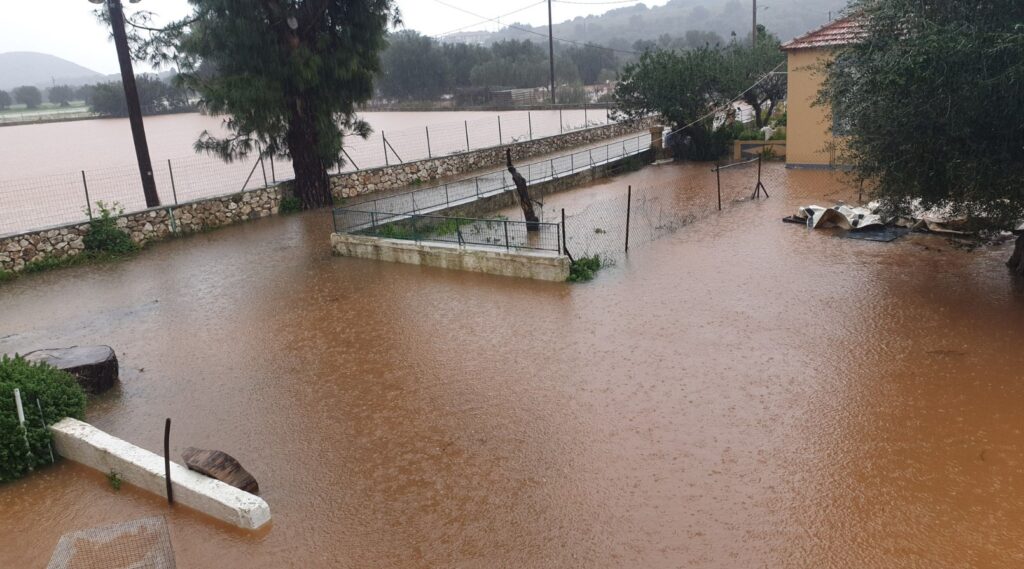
point(740, 393)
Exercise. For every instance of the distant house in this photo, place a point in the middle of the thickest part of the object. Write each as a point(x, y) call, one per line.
point(812, 135)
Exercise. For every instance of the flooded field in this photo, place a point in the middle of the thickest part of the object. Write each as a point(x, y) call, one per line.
point(741, 393)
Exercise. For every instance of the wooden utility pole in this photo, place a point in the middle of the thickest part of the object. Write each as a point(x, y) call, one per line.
point(131, 93)
point(551, 52)
point(753, 35)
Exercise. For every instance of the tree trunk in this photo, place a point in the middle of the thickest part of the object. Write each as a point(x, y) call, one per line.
point(312, 185)
point(1016, 262)
point(532, 223)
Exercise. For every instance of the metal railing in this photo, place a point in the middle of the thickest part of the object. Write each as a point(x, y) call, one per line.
point(500, 233)
point(461, 192)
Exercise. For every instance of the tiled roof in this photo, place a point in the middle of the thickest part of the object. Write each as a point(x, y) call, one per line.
point(844, 31)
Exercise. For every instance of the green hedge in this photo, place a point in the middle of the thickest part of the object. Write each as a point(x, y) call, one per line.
point(57, 392)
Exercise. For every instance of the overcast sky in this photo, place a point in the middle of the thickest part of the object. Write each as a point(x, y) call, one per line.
point(67, 28)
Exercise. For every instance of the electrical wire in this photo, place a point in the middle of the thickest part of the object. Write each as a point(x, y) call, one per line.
point(514, 27)
point(731, 101)
point(598, 3)
point(489, 19)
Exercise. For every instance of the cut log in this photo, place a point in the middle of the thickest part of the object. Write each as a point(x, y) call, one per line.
point(94, 367)
point(222, 466)
point(532, 222)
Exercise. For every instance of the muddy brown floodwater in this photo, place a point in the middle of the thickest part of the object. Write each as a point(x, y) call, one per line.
point(742, 393)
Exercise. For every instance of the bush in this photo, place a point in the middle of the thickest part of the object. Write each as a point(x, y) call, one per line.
point(59, 395)
point(584, 269)
point(105, 237)
point(289, 204)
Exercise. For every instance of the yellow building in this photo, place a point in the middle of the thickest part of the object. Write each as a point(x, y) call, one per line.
point(811, 140)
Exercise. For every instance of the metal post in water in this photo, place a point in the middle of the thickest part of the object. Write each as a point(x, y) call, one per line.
point(629, 204)
point(529, 120)
point(428, 141)
point(586, 122)
point(88, 204)
point(273, 175)
point(499, 130)
point(718, 179)
point(559, 120)
point(467, 135)
point(174, 190)
point(385, 142)
point(506, 236)
point(167, 460)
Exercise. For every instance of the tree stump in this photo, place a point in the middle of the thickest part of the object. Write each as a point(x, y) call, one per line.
point(222, 466)
point(94, 367)
point(532, 222)
point(1016, 262)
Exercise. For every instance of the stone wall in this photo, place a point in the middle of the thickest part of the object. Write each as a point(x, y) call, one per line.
point(167, 221)
point(148, 225)
point(402, 175)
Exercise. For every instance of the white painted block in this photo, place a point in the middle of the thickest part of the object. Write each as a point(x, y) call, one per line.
point(85, 444)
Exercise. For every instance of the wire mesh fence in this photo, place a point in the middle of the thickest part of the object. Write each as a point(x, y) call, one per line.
point(138, 544)
point(500, 233)
point(29, 204)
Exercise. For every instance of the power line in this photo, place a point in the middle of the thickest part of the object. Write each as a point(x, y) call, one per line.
point(527, 7)
point(598, 3)
point(514, 27)
point(733, 100)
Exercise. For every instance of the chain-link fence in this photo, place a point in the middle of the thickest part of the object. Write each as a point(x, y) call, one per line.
point(29, 204)
point(138, 544)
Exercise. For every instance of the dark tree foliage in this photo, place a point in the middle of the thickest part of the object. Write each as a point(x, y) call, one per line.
point(681, 87)
point(61, 95)
point(5, 100)
point(155, 97)
point(414, 67)
point(29, 96)
point(590, 60)
point(286, 74)
point(933, 100)
point(747, 65)
point(462, 58)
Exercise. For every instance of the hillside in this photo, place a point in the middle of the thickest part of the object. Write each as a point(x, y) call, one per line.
point(30, 68)
point(620, 27)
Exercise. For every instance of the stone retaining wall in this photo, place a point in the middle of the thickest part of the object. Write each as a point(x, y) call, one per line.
point(167, 221)
point(403, 175)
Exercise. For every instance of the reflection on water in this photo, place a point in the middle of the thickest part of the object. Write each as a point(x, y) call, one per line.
point(741, 393)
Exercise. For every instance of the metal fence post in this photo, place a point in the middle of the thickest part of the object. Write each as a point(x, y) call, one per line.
point(385, 142)
point(88, 204)
point(506, 236)
point(529, 120)
point(718, 179)
point(499, 130)
point(273, 175)
point(167, 460)
point(560, 120)
point(629, 204)
point(552, 168)
point(428, 141)
point(446, 200)
point(591, 151)
point(586, 122)
point(174, 190)
point(572, 163)
point(263, 167)
point(467, 135)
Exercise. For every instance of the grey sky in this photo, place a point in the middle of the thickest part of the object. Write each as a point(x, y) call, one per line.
point(66, 28)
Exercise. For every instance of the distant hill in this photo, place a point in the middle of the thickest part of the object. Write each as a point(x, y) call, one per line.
point(620, 27)
point(30, 68)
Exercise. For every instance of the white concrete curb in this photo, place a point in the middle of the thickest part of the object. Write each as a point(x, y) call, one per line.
point(83, 443)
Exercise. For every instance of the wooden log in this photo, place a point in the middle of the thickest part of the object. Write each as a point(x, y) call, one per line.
point(532, 222)
point(222, 466)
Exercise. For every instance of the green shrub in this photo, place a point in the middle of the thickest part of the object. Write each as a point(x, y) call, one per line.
point(59, 395)
point(105, 237)
point(584, 269)
point(289, 204)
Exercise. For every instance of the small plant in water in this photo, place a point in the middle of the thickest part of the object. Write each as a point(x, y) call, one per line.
point(115, 480)
point(105, 237)
point(584, 269)
point(289, 204)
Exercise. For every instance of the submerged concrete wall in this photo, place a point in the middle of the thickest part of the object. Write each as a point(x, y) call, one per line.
point(539, 266)
point(85, 444)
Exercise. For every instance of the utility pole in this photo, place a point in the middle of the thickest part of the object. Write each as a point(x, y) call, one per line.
point(551, 52)
point(131, 93)
point(753, 35)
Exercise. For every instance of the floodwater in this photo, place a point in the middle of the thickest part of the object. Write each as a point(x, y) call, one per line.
point(31, 151)
point(741, 393)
